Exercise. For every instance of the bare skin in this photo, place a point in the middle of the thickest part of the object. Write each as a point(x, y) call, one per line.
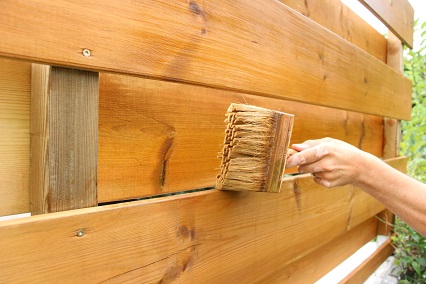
point(336, 163)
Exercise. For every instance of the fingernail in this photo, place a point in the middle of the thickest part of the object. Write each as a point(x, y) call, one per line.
point(299, 147)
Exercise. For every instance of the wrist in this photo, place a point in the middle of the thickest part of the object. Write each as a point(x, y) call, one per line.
point(368, 167)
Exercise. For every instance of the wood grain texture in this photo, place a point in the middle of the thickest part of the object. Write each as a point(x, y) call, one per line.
point(392, 127)
point(14, 136)
point(225, 237)
point(394, 53)
point(221, 44)
point(338, 18)
point(386, 220)
point(367, 267)
point(358, 214)
point(397, 15)
point(157, 137)
point(64, 130)
point(315, 265)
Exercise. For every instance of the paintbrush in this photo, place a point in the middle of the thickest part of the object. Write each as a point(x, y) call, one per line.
point(255, 149)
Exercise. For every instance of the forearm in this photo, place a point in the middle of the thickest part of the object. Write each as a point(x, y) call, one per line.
point(403, 195)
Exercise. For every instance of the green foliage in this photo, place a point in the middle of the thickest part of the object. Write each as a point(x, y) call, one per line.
point(413, 142)
point(410, 252)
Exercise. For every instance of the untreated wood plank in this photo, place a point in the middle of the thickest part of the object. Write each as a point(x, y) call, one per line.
point(392, 127)
point(187, 238)
point(64, 131)
point(315, 265)
point(397, 15)
point(338, 18)
point(157, 137)
point(367, 267)
point(394, 53)
point(14, 136)
point(221, 44)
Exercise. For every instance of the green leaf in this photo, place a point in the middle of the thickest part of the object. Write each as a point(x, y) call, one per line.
point(416, 267)
point(416, 237)
point(406, 259)
point(421, 261)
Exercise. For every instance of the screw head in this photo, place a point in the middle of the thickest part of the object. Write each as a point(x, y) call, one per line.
point(80, 233)
point(86, 52)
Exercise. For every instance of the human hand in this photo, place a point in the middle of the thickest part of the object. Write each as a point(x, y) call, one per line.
point(331, 162)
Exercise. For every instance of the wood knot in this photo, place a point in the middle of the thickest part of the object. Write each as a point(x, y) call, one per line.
point(390, 122)
point(185, 233)
point(193, 6)
point(199, 15)
point(183, 261)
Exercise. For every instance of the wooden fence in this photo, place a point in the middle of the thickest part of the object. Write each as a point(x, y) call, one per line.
point(112, 117)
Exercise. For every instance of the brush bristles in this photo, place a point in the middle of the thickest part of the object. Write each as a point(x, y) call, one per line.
point(249, 146)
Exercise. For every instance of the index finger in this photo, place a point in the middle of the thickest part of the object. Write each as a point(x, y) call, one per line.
point(309, 144)
point(307, 156)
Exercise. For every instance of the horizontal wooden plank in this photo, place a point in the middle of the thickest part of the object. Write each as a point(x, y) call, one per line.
point(397, 15)
point(140, 120)
point(338, 18)
point(318, 263)
point(368, 266)
point(14, 136)
point(221, 44)
point(212, 236)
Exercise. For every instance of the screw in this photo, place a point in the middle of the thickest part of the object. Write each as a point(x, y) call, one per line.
point(80, 233)
point(86, 52)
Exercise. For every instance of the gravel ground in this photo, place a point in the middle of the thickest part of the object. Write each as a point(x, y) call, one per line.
point(385, 274)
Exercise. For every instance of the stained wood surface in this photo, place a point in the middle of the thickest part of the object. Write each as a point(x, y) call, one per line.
point(187, 238)
point(64, 144)
point(143, 123)
point(397, 15)
point(394, 53)
point(338, 18)
point(14, 136)
point(386, 220)
point(392, 127)
point(368, 266)
point(315, 265)
point(218, 43)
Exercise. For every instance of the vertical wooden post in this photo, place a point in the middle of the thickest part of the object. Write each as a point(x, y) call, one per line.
point(64, 139)
point(392, 127)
